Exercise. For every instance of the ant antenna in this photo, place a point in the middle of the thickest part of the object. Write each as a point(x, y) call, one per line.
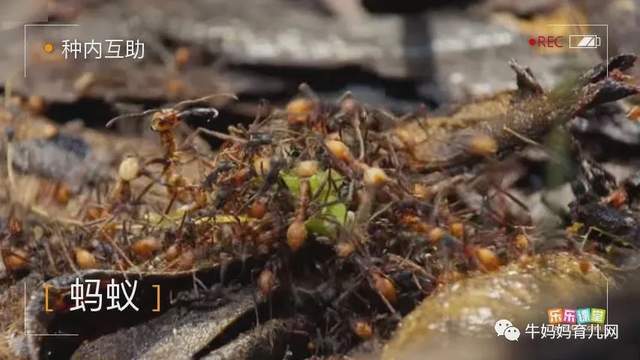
point(185, 103)
point(178, 106)
point(126, 116)
point(210, 113)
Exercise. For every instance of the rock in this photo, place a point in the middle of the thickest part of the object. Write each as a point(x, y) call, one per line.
point(465, 312)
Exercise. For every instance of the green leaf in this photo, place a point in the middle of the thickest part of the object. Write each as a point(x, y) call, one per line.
point(338, 211)
point(319, 182)
point(292, 182)
point(323, 191)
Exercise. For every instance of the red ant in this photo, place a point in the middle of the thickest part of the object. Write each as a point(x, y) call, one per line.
point(163, 122)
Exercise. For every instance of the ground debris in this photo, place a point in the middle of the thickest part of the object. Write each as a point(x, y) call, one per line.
point(330, 214)
point(61, 158)
point(511, 119)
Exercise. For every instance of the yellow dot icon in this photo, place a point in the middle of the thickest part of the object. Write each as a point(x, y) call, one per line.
point(48, 47)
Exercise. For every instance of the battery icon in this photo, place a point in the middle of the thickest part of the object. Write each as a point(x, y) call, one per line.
point(584, 41)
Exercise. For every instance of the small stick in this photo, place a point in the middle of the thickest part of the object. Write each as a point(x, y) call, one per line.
point(521, 137)
point(217, 134)
point(356, 126)
point(65, 251)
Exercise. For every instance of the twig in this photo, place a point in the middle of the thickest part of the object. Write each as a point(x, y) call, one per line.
point(218, 135)
point(521, 137)
point(355, 122)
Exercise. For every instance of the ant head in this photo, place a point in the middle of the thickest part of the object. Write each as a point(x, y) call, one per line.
point(164, 120)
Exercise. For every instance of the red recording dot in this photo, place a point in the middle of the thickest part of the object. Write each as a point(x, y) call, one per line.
point(532, 41)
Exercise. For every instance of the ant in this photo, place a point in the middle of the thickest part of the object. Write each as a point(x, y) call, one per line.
point(257, 139)
point(213, 176)
point(164, 121)
point(251, 139)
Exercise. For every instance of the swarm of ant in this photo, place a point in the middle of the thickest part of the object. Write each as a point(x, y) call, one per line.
point(333, 197)
point(317, 190)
